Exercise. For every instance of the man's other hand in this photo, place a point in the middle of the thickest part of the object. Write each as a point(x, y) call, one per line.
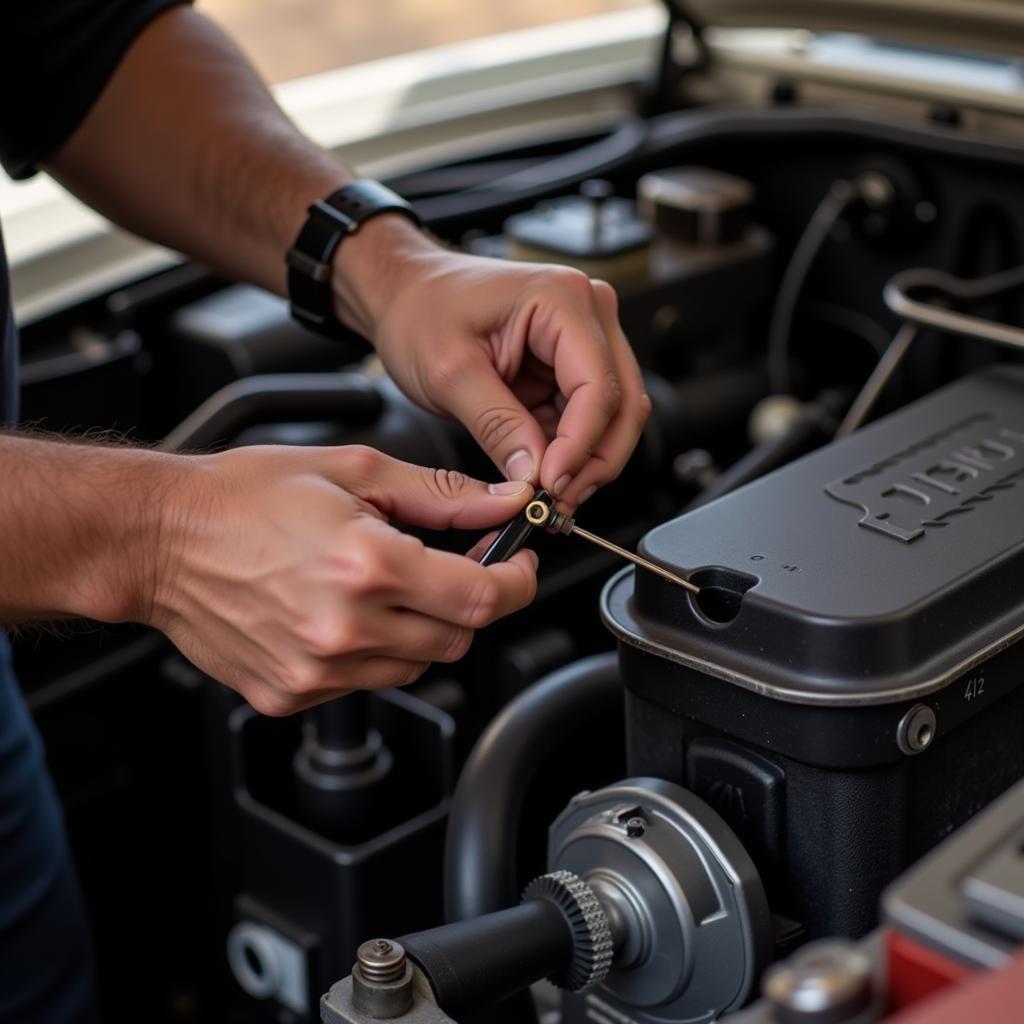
point(531, 358)
point(281, 576)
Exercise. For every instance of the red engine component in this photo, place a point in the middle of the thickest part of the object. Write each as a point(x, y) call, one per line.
point(916, 972)
point(988, 997)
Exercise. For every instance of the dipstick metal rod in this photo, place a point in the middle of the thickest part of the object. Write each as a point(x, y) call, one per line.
point(635, 559)
point(541, 512)
point(886, 369)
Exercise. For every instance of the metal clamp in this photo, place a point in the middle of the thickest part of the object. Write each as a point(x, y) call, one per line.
point(900, 297)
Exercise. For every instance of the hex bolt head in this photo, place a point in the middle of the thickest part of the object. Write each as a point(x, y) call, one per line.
point(826, 982)
point(916, 729)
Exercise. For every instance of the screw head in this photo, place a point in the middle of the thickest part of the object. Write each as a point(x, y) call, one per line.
point(826, 982)
point(916, 729)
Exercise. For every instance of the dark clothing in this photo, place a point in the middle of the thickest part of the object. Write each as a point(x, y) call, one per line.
point(45, 952)
point(55, 58)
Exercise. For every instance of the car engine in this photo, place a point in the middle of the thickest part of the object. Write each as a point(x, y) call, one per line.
point(788, 797)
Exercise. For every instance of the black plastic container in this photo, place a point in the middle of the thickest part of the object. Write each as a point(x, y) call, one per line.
point(845, 690)
point(304, 899)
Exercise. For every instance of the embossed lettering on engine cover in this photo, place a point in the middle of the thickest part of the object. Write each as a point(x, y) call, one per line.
point(927, 485)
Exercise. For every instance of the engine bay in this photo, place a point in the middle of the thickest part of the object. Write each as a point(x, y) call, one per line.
point(648, 796)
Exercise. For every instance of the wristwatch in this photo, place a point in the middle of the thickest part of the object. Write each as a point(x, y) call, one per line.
point(330, 221)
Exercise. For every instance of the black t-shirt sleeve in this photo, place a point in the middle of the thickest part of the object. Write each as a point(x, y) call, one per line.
point(55, 58)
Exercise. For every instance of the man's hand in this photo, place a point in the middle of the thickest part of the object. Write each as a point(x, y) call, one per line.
point(286, 581)
point(273, 569)
point(531, 358)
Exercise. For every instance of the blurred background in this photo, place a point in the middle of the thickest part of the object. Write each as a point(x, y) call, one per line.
point(293, 38)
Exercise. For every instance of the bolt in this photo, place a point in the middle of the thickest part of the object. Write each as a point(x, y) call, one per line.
point(876, 190)
point(695, 467)
point(826, 982)
point(381, 979)
point(381, 961)
point(561, 523)
point(597, 192)
point(916, 729)
point(636, 827)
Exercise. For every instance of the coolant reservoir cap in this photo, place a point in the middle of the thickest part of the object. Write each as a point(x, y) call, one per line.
point(877, 569)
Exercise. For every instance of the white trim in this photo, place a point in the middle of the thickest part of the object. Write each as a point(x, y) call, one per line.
point(857, 62)
point(386, 116)
point(392, 115)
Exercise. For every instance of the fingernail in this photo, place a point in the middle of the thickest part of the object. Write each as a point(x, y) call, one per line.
point(508, 487)
point(588, 493)
point(534, 559)
point(519, 465)
point(560, 484)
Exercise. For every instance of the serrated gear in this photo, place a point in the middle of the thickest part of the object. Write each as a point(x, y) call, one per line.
point(593, 950)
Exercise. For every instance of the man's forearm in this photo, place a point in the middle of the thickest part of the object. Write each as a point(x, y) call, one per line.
point(79, 526)
point(186, 146)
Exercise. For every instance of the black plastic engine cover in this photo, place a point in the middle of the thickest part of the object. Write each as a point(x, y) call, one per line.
point(883, 572)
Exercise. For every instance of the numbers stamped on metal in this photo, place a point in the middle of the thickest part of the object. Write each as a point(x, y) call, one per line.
point(975, 687)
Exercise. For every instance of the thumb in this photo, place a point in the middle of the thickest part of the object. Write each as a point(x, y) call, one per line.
point(499, 422)
point(434, 498)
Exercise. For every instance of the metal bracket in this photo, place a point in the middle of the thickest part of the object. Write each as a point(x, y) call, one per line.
point(683, 53)
point(923, 298)
point(903, 291)
point(337, 1008)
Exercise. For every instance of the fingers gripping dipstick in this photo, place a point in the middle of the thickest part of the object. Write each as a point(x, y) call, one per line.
point(541, 512)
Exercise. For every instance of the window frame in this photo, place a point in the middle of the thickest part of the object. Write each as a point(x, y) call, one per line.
point(387, 116)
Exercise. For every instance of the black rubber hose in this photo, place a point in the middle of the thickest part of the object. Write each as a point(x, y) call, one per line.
point(350, 398)
point(666, 137)
point(811, 429)
point(552, 175)
point(483, 827)
point(474, 964)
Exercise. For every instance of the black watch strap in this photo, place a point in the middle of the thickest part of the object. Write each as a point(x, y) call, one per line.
point(329, 222)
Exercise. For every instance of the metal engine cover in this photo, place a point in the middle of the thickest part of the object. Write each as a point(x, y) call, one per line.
point(846, 689)
point(876, 569)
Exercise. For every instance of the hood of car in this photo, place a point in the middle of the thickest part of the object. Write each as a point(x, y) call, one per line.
point(986, 26)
